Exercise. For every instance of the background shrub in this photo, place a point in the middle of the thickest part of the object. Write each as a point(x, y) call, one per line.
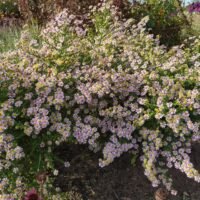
point(43, 10)
point(9, 8)
point(166, 19)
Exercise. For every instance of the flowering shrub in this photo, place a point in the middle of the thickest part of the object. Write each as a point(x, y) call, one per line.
point(109, 85)
point(194, 7)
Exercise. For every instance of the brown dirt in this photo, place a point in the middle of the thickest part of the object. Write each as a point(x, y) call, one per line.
point(118, 181)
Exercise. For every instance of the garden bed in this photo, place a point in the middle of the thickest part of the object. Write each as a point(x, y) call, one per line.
point(118, 181)
point(102, 83)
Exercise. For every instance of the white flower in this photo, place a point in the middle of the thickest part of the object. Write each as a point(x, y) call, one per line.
point(55, 172)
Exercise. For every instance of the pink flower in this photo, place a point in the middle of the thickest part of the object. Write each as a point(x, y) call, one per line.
point(32, 195)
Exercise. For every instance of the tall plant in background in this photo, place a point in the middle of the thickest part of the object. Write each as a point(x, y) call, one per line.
point(166, 19)
point(24, 8)
point(42, 10)
point(9, 8)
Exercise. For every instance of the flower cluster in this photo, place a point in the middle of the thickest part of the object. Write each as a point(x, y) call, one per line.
point(107, 84)
point(194, 7)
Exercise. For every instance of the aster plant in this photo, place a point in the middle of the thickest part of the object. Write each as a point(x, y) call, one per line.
point(106, 84)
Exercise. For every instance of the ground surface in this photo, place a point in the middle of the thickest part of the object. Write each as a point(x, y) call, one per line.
point(120, 180)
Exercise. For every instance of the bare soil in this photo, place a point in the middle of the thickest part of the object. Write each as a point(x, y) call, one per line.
point(118, 181)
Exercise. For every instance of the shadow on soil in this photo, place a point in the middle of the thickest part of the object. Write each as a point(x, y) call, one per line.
point(118, 181)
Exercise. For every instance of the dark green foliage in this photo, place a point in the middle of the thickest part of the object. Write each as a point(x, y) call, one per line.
point(9, 8)
point(166, 19)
